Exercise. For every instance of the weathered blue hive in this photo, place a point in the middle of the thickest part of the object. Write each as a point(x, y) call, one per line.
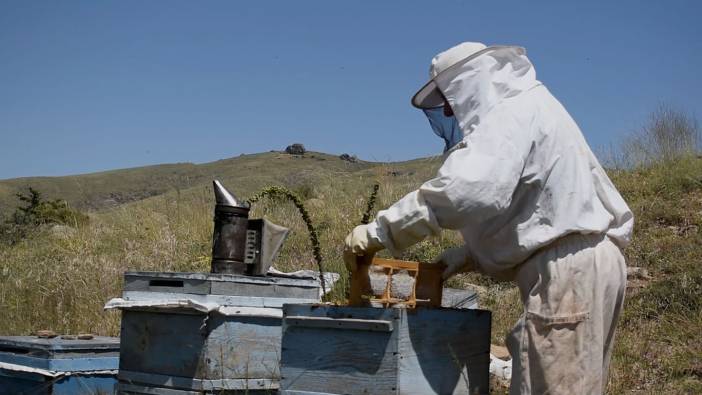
point(334, 350)
point(197, 333)
point(30, 365)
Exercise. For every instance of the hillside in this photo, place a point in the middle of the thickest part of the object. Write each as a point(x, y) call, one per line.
point(60, 278)
point(101, 190)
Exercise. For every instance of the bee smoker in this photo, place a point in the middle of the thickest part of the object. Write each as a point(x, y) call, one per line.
point(241, 245)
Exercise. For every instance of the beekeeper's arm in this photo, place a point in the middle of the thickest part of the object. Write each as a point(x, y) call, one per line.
point(474, 184)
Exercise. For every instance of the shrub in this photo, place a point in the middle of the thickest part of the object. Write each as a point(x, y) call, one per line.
point(668, 135)
point(36, 212)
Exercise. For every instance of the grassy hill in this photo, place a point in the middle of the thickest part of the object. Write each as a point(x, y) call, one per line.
point(60, 278)
point(101, 190)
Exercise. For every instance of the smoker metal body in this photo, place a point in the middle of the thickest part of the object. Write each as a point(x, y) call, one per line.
point(30, 365)
point(241, 245)
point(337, 350)
point(198, 333)
point(229, 240)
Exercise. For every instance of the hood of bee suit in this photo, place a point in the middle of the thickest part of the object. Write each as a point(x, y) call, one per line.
point(473, 86)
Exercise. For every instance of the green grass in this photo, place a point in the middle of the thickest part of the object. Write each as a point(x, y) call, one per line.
point(60, 279)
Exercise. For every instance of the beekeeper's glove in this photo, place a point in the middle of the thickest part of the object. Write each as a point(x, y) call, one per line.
point(359, 243)
point(457, 260)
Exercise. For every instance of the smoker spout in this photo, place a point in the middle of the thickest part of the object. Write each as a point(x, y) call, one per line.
point(225, 198)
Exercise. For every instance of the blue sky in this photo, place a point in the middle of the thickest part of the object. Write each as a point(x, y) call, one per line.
point(98, 85)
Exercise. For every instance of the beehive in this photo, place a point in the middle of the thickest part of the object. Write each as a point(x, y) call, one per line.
point(374, 351)
point(31, 365)
point(196, 333)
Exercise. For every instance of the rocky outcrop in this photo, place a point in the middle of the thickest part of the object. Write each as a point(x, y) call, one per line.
point(348, 158)
point(295, 149)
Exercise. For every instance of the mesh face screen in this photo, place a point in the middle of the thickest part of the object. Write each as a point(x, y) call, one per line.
point(444, 127)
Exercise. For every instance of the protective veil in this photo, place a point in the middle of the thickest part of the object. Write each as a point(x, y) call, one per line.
point(444, 127)
point(533, 205)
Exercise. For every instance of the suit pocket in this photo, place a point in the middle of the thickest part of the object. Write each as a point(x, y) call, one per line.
point(558, 348)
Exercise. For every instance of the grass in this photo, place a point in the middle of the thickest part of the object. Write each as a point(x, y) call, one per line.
point(61, 278)
point(658, 348)
point(97, 191)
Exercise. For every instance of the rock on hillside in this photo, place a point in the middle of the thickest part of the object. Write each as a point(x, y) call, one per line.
point(295, 149)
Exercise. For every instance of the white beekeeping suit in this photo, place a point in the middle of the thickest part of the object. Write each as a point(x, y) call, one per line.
point(533, 205)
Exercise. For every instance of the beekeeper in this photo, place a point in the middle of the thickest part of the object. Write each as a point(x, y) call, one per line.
point(533, 206)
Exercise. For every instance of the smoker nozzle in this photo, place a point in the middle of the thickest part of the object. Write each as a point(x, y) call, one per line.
point(225, 198)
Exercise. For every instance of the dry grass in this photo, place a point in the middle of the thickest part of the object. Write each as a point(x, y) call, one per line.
point(61, 278)
point(70, 273)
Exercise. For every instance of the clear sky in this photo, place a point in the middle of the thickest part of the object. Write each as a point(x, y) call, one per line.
point(97, 85)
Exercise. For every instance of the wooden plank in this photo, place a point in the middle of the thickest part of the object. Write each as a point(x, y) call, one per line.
point(124, 388)
point(15, 382)
point(76, 364)
point(84, 385)
point(30, 344)
point(266, 289)
point(361, 290)
point(322, 310)
point(340, 323)
point(174, 275)
point(459, 298)
point(213, 346)
point(12, 382)
point(165, 284)
point(222, 284)
point(269, 312)
point(268, 279)
point(342, 361)
point(396, 264)
point(64, 355)
point(444, 351)
point(224, 300)
point(187, 383)
point(162, 343)
point(241, 347)
point(430, 351)
point(429, 285)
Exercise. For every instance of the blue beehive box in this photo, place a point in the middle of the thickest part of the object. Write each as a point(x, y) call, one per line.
point(340, 350)
point(197, 333)
point(31, 365)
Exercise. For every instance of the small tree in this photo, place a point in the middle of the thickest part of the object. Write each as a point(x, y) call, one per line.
point(37, 211)
point(28, 214)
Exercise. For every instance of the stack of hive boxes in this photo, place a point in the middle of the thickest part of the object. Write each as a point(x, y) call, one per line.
point(197, 333)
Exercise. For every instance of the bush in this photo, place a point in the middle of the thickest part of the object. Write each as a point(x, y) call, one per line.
point(669, 134)
point(36, 212)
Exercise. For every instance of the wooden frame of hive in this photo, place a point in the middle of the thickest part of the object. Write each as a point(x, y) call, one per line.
point(426, 290)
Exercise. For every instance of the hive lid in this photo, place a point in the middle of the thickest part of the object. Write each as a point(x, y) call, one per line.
point(272, 278)
point(24, 344)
